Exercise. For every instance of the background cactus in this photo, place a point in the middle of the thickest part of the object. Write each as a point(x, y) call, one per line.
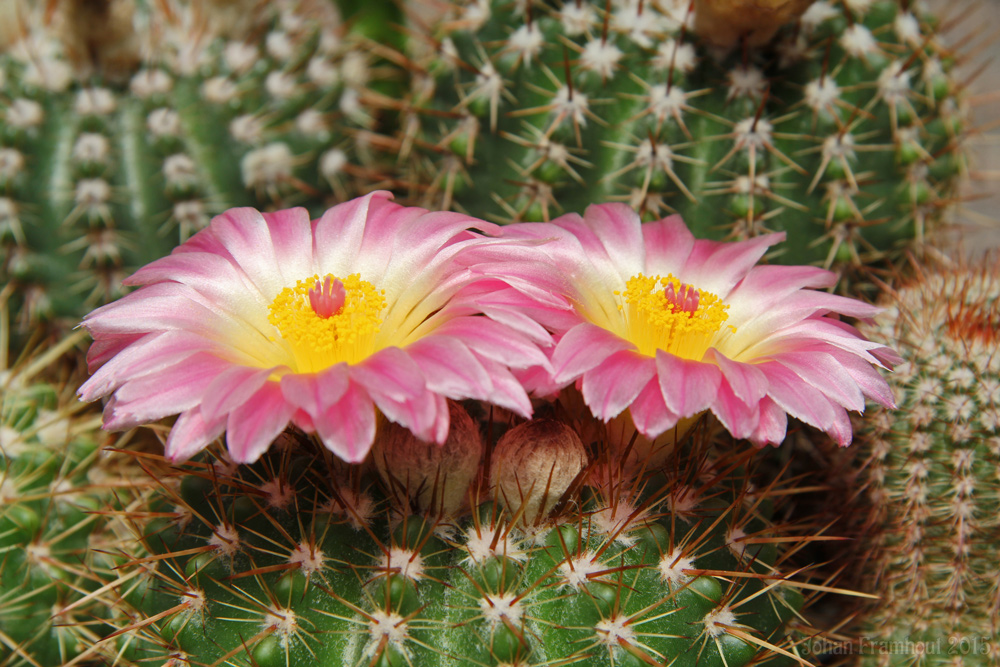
point(301, 558)
point(125, 126)
point(928, 492)
point(845, 131)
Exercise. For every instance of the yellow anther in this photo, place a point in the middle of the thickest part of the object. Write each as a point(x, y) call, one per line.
point(666, 314)
point(318, 341)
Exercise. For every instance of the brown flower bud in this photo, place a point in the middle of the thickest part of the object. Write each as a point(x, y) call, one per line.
point(433, 478)
point(724, 23)
point(534, 465)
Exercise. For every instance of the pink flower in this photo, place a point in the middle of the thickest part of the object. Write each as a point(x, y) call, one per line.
point(266, 319)
point(666, 327)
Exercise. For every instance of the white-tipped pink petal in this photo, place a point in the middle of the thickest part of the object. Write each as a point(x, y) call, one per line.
point(611, 387)
point(688, 387)
point(582, 348)
point(254, 424)
point(347, 427)
point(650, 414)
point(191, 434)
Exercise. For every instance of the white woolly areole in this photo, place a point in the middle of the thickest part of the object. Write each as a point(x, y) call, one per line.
point(734, 540)
point(656, 156)
point(282, 623)
point(225, 539)
point(279, 45)
point(526, 42)
point(239, 56)
point(151, 82)
point(613, 631)
point(683, 500)
point(11, 162)
point(752, 132)
point(281, 85)
point(489, 83)
point(91, 148)
point(894, 83)
point(267, 166)
point(322, 72)
point(51, 75)
point(682, 57)
point(600, 56)
point(354, 69)
point(858, 41)
point(717, 620)
point(191, 214)
point(387, 625)
point(278, 494)
point(92, 192)
point(496, 608)
point(24, 114)
point(746, 82)
point(479, 545)
point(332, 162)
point(821, 94)
point(573, 108)
point(475, 15)
point(406, 562)
point(95, 102)
point(357, 507)
point(907, 28)
point(164, 122)
point(672, 567)
point(618, 520)
point(179, 169)
point(8, 211)
point(664, 103)
point(576, 18)
point(311, 123)
point(247, 128)
point(219, 90)
point(575, 571)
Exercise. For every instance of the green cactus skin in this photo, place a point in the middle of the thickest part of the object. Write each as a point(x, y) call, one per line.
point(300, 559)
point(55, 489)
point(932, 488)
point(104, 169)
point(848, 124)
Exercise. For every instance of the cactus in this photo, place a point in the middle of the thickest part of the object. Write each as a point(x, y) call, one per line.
point(125, 126)
point(537, 555)
point(844, 131)
point(55, 485)
point(928, 516)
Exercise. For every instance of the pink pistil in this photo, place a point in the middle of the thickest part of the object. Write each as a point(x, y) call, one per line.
point(684, 300)
point(327, 298)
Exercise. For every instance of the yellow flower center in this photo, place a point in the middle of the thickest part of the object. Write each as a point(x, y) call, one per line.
point(328, 321)
point(666, 314)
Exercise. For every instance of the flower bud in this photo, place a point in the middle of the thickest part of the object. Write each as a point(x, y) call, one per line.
point(434, 478)
point(724, 23)
point(534, 465)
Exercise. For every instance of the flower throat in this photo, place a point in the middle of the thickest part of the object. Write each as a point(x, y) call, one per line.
point(329, 320)
point(666, 314)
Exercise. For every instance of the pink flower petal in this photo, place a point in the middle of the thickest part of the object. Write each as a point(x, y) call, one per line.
point(231, 388)
point(749, 384)
point(610, 387)
point(650, 414)
point(312, 393)
point(668, 244)
point(739, 418)
point(450, 368)
point(772, 426)
point(347, 427)
point(255, 423)
point(191, 434)
point(716, 267)
point(584, 347)
point(688, 387)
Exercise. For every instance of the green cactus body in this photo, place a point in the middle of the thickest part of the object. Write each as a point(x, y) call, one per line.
point(932, 476)
point(294, 560)
point(55, 486)
point(843, 132)
point(103, 169)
